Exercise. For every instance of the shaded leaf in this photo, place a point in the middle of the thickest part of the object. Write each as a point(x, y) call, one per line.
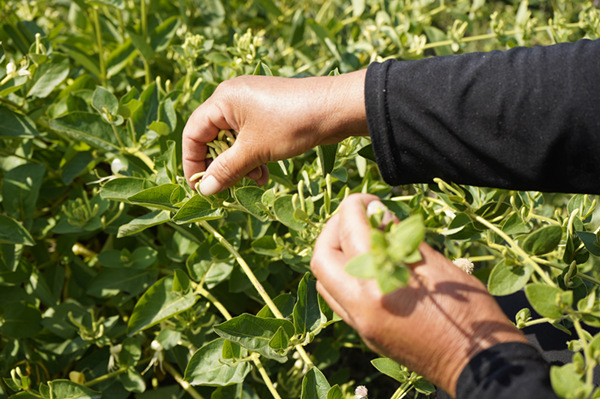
point(206, 367)
point(505, 279)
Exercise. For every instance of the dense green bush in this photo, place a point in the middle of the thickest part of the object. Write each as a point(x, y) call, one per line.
point(116, 278)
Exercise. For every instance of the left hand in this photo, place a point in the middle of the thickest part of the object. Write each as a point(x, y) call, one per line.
point(434, 326)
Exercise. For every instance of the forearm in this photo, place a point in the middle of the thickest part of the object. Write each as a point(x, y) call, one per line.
point(524, 119)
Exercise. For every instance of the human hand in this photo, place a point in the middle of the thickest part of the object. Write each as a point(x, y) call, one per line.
point(434, 326)
point(276, 118)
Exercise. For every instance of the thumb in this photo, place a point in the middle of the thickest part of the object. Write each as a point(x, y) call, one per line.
point(226, 169)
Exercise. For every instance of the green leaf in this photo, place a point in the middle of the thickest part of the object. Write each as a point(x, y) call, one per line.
point(284, 302)
point(109, 282)
point(121, 188)
point(47, 76)
point(148, 111)
point(568, 383)
point(262, 69)
point(11, 232)
point(162, 35)
point(307, 314)
point(284, 211)
point(436, 35)
point(19, 320)
point(132, 381)
point(15, 125)
point(119, 58)
point(358, 7)
point(255, 333)
point(21, 188)
point(89, 128)
point(505, 280)
point(367, 152)
point(543, 298)
point(362, 266)
point(314, 385)
point(389, 280)
point(423, 386)
point(327, 155)
point(405, 237)
point(280, 341)
point(104, 101)
point(141, 44)
point(390, 368)
point(143, 222)
point(590, 240)
point(159, 303)
point(197, 209)
point(335, 393)
point(161, 197)
point(207, 367)
point(63, 389)
point(250, 197)
point(543, 240)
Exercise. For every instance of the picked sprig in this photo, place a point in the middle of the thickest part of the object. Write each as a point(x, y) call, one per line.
point(393, 247)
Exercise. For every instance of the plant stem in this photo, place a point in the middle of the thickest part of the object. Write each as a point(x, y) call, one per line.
point(515, 248)
point(257, 285)
point(100, 46)
point(105, 377)
point(255, 357)
point(184, 384)
point(589, 362)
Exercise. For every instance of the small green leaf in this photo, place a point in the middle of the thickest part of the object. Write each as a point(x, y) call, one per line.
point(159, 303)
point(197, 209)
point(48, 76)
point(543, 240)
point(121, 188)
point(314, 385)
point(362, 266)
point(335, 393)
point(284, 211)
point(250, 197)
point(181, 281)
point(89, 128)
point(207, 367)
point(567, 383)
point(104, 101)
point(367, 152)
point(405, 237)
point(391, 368)
point(19, 320)
point(505, 280)
point(255, 333)
point(160, 197)
point(590, 240)
point(327, 155)
point(390, 280)
point(543, 298)
point(143, 222)
point(280, 341)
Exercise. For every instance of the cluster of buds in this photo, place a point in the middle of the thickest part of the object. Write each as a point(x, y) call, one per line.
point(464, 264)
point(12, 71)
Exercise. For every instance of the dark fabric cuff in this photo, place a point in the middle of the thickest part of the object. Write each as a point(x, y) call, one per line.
point(509, 370)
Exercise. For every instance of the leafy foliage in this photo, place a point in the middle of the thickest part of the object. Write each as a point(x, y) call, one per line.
point(116, 278)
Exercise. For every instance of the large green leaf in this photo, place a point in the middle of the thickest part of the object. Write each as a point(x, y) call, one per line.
point(143, 222)
point(89, 128)
point(307, 314)
point(255, 333)
point(207, 367)
point(543, 298)
point(390, 368)
point(110, 281)
point(11, 232)
point(121, 188)
point(21, 188)
point(63, 389)
point(49, 75)
point(164, 197)
point(196, 209)
point(505, 279)
point(159, 303)
point(327, 155)
point(284, 210)
point(250, 197)
point(543, 240)
point(16, 125)
point(591, 242)
point(19, 320)
point(314, 385)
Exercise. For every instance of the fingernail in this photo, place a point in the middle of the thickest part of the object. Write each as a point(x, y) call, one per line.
point(209, 186)
point(375, 207)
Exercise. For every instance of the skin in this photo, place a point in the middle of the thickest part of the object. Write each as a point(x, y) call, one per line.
point(442, 318)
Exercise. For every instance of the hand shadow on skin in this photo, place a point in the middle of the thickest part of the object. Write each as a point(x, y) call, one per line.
point(396, 303)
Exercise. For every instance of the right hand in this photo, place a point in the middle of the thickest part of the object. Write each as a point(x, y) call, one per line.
point(276, 118)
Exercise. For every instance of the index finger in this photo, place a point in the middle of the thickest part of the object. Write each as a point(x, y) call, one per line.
point(202, 127)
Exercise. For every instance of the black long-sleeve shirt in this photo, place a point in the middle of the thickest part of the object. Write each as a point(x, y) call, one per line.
point(525, 119)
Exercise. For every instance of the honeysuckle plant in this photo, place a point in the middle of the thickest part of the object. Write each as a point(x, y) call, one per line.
point(118, 280)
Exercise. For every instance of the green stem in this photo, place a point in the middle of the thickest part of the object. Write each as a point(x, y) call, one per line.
point(257, 285)
point(579, 274)
point(537, 321)
point(515, 248)
point(589, 362)
point(100, 46)
point(184, 384)
point(105, 377)
point(255, 357)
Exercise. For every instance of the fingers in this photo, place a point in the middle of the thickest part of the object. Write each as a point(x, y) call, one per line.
point(354, 228)
point(202, 127)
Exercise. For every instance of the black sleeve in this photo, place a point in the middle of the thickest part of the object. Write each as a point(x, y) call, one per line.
point(511, 370)
point(525, 119)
